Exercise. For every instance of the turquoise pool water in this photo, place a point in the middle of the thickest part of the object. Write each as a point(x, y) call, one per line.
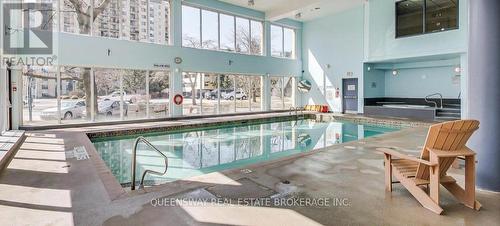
point(193, 153)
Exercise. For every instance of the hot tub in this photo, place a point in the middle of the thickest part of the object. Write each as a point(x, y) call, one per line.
point(406, 111)
point(405, 106)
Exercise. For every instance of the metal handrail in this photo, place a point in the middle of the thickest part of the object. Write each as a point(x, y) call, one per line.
point(134, 156)
point(435, 103)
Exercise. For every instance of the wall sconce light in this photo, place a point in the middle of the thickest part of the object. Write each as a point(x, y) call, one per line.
point(458, 70)
point(395, 72)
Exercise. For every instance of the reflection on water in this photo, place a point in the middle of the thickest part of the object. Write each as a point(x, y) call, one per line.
point(204, 151)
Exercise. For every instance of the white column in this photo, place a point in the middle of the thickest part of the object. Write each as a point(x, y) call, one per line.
point(3, 100)
point(17, 97)
point(266, 93)
point(175, 88)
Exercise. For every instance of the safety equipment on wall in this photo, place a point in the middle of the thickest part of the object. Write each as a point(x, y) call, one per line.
point(178, 99)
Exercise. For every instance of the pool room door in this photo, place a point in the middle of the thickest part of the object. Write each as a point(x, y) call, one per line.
point(350, 95)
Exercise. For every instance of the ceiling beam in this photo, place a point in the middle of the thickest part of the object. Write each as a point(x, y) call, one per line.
point(289, 10)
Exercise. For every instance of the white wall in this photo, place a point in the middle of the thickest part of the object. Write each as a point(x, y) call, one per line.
point(335, 40)
point(420, 82)
point(382, 43)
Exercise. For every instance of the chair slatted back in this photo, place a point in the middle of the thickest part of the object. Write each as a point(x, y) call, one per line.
point(447, 136)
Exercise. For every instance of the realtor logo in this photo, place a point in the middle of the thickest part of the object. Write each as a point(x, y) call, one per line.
point(30, 35)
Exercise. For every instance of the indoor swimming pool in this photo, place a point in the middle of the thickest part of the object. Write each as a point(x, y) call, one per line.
point(196, 152)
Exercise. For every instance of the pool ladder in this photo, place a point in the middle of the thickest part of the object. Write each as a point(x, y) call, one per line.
point(134, 161)
point(434, 102)
point(296, 111)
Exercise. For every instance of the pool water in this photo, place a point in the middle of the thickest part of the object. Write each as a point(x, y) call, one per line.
point(193, 153)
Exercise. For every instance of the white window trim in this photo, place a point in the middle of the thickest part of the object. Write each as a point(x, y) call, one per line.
point(219, 12)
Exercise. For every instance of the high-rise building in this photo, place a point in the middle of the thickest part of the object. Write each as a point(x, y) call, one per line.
point(139, 20)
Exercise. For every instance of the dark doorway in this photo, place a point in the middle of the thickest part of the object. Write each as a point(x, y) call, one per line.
point(350, 95)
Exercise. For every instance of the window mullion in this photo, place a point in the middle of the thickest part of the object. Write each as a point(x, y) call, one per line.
point(58, 93)
point(250, 36)
point(92, 95)
point(147, 22)
point(201, 28)
point(282, 41)
point(234, 34)
point(91, 19)
point(218, 31)
point(423, 16)
point(148, 97)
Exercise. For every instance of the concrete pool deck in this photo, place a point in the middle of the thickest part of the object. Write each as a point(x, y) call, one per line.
point(42, 185)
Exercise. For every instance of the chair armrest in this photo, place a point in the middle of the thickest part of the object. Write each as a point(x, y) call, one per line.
point(403, 156)
point(461, 152)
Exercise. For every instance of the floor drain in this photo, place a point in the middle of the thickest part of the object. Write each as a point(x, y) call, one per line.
point(285, 182)
point(246, 171)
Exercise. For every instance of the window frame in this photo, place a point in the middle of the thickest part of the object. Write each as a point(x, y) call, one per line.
point(294, 45)
point(92, 120)
point(424, 20)
point(235, 16)
point(168, 42)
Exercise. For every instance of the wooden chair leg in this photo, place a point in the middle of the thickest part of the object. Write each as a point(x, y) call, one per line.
point(466, 196)
point(470, 182)
point(459, 193)
point(388, 173)
point(434, 180)
point(419, 194)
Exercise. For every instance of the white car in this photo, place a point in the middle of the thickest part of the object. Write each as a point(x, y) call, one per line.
point(240, 95)
point(69, 110)
point(127, 98)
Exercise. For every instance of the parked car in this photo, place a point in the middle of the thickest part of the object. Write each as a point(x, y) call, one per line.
point(117, 97)
point(111, 108)
point(69, 110)
point(212, 94)
point(240, 95)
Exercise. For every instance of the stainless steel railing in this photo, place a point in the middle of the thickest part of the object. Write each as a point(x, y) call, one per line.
point(434, 102)
point(134, 158)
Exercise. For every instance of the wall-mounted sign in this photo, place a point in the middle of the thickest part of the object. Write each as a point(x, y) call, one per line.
point(178, 99)
point(351, 87)
point(304, 86)
point(161, 65)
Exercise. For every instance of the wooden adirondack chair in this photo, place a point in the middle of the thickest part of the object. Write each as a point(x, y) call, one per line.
point(445, 142)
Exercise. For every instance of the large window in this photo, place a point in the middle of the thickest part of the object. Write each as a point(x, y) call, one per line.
point(79, 95)
point(191, 89)
point(226, 32)
point(218, 31)
point(159, 94)
point(415, 17)
point(191, 33)
point(210, 21)
point(75, 86)
point(40, 105)
point(227, 99)
point(136, 20)
point(221, 93)
point(282, 93)
point(282, 42)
